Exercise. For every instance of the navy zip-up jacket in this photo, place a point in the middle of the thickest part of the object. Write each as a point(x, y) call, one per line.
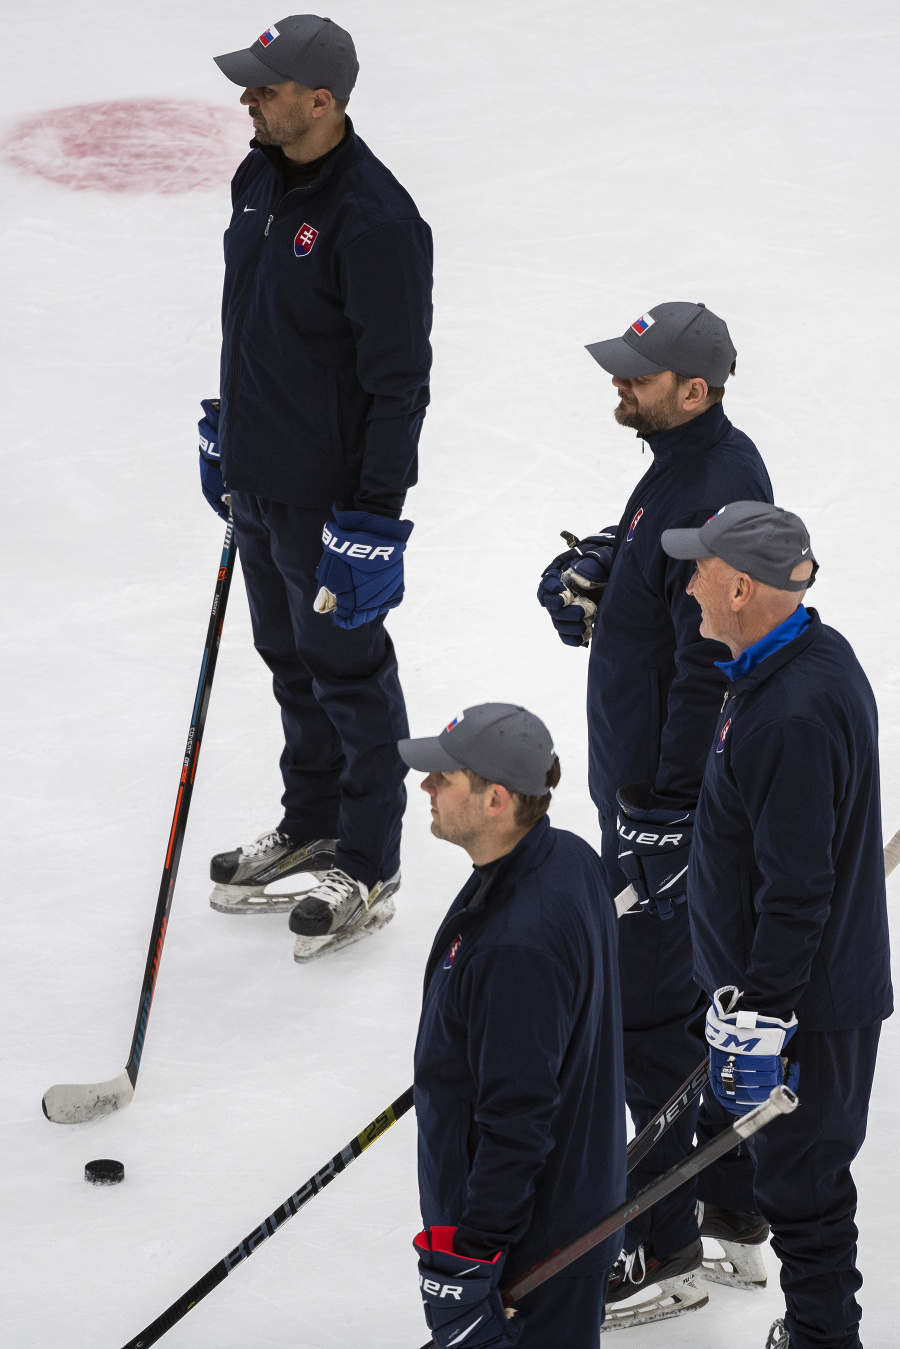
point(518, 1066)
point(653, 689)
point(326, 315)
point(786, 883)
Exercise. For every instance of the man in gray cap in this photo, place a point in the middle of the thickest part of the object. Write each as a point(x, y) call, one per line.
point(787, 899)
point(324, 382)
point(653, 696)
point(518, 1064)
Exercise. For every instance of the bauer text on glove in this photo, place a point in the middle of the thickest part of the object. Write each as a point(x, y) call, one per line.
point(210, 462)
point(361, 572)
point(654, 848)
point(746, 1053)
point(459, 1292)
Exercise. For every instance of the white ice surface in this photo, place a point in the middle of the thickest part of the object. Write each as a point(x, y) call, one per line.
point(578, 164)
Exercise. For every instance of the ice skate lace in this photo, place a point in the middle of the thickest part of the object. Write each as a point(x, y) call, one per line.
point(273, 839)
point(635, 1266)
point(336, 887)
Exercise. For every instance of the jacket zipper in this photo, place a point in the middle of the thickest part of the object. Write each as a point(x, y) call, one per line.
point(242, 314)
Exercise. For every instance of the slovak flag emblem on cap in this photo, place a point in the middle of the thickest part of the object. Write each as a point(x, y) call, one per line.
point(269, 35)
point(641, 325)
point(304, 239)
point(454, 722)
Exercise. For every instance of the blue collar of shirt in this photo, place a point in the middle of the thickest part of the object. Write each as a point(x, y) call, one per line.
point(773, 641)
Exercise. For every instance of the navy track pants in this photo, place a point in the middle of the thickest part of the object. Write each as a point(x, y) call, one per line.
point(805, 1190)
point(564, 1313)
point(342, 706)
point(659, 999)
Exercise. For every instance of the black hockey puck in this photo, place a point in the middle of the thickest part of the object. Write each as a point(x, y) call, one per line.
point(104, 1172)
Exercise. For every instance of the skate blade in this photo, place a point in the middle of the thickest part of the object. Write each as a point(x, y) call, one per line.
point(684, 1293)
point(253, 898)
point(310, 948)
point(739, 1267)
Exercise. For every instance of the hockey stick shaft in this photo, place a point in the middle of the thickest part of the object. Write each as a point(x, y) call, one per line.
point(781, 1102)
point(183, 799)
point(270, 1225)
point(691, 1088)
point(74, 1103)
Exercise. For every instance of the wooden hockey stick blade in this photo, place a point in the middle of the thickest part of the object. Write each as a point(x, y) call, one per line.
point(892, 854)
point(72, 1103)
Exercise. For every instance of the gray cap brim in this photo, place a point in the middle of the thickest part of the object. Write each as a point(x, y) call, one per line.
point(247, 70)
point(622, 360)
point(684, 544)
point(427, 755)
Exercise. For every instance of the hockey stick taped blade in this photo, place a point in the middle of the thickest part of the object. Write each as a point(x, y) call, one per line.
point(71, 1103)
point(892, 854)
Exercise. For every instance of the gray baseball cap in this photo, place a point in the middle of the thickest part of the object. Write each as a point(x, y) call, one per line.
point(501, 741)
point(687, 338)
point(753, 537)
point(315, 52)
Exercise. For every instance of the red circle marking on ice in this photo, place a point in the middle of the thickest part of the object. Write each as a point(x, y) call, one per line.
point(132, 145)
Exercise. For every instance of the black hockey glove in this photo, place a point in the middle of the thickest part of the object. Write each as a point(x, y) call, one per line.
point(654, 846)
point(460, 1294)
point(573, 585)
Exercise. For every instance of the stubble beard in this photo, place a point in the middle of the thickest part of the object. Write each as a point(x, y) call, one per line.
point(646, 421)
point(288, 134)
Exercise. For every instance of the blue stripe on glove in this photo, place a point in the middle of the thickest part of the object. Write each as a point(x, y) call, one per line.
point(362, 565)
point(745, 1053)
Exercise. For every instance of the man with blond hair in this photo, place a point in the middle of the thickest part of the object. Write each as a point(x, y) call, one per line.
point(786, 898)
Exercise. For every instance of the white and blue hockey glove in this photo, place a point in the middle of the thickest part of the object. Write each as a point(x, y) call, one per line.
point(746, 1058)
point(210, 461)
point(572, 586)
point(654, 847)
point(361, 572)
point(459, 1292)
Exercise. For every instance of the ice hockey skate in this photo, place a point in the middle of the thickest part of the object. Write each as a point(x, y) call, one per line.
point(674, 1283)
point(741, 1237)
point(339, 912)
point(778, 1336)
point(243, 875)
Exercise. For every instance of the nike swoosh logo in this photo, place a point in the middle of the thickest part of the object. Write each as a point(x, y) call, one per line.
point(803, 552)
point(249, 208)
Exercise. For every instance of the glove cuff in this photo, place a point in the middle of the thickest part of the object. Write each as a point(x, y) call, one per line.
point(365, 522)
point(439, 1240)
point(634, 799)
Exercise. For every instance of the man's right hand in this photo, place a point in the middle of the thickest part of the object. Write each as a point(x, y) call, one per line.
point(460, 1294)
point(210, 463)
point(573, 584)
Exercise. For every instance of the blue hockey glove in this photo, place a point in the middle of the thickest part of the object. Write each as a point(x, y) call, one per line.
point(654, 846)
point(361, 572)
point(462, 1304)
point(745, 1053)
point(210, 463)
point(572, 586)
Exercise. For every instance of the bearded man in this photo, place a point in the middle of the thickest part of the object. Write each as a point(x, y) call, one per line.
point(326, 318)
point(653, 698)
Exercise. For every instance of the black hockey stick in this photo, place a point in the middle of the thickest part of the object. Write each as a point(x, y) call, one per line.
point(270, 1225)
point(781, 1102)
point(71, 1103)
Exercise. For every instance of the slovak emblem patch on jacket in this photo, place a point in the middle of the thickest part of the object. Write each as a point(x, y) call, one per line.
point(633, 526)
point(451, 954)
point(304, 239)
point(725, 729)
